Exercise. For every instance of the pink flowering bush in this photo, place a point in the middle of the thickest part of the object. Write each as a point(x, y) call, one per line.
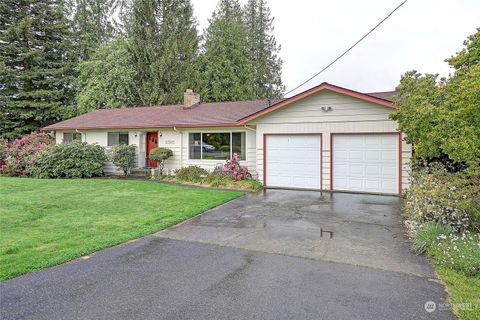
point(3, 151)
point(232, 168)
point(20, 154)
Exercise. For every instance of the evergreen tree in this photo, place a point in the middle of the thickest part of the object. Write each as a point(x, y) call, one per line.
point(179, 49)
point(35, 66)
point(163, 44)
point(106, 80)
point(143, 31)
point(225, 67)
point(263, 49)
point(91, 25)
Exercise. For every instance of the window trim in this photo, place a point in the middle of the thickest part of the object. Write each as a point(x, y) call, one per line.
point(201, 142)
point(73, 133)
point(118, 132)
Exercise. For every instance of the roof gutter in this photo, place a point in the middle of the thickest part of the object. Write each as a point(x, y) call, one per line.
point(247, 127)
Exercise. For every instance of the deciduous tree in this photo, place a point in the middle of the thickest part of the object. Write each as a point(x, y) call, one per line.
point(442, 117)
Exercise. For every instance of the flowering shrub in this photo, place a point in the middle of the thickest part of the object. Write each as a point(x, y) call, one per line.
point(232, 168)
point(3, 151)
point(448, 198)
point(20, 154)
point(458, 252)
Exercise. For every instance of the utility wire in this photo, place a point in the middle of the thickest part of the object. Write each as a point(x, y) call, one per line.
point(346, 51)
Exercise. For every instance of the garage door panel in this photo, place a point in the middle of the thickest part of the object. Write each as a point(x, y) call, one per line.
point(355, 155)
point(356, 170)
point(366, 162)
point(372, 184)
point(354, 183)
point(293, 161)
point(372, 140)
point(373, 171)
point(372, 155)
point(387, 172)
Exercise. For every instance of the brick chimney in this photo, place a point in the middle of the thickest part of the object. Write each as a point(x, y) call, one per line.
point(190, 98)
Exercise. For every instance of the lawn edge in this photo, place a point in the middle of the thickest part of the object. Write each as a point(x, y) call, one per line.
point(89, 254)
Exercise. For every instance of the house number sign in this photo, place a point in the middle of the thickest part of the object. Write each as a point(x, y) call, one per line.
point(170, 142)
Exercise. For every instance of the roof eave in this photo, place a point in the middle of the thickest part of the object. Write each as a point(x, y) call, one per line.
point(209, 125)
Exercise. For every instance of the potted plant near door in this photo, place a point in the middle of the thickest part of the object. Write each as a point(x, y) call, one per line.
point(160, 155)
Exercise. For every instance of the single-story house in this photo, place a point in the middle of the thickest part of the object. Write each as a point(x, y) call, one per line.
point(325, 138)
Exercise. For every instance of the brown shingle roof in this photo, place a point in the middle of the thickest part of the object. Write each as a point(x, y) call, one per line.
point(203, 114)
point(216, 114)
point(386, 95)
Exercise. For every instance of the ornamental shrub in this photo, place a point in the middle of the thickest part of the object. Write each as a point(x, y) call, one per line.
point(437, 195)
point(218, 179)
point(460, 252)
point(69, 160)
point(232, 168)
point(21, 154)
point(122, 156)
point(160, 155)
point(190, 174)
point(3, 151)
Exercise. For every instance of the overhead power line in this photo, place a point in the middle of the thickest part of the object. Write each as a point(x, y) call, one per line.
point(346, 51)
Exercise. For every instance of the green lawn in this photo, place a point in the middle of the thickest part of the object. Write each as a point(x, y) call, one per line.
point(464, 293)
point(47, 222)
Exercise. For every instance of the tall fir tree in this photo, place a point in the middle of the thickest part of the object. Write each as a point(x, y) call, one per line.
point(143, 32)
point(91, 25)
point(179, 49)
point(35, 65)
point(263, 50)
point(163, 44)
point(225, 67)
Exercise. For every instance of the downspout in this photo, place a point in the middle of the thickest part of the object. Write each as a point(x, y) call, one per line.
point(247, 127)
point(181, 145)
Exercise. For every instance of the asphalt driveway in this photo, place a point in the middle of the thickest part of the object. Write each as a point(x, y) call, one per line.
point(367, 229)
point(161, 277)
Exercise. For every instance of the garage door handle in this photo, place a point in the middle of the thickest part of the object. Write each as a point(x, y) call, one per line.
point(325, 231)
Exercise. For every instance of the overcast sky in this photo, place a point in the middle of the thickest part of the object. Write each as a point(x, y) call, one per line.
point(420, 35)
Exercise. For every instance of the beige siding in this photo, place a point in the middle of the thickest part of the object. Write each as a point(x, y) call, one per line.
point(174, 140)
point(348, 114)
point(178, 142)
point(100, 137)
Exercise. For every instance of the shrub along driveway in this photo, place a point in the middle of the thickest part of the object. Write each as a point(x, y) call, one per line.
point(47, 222)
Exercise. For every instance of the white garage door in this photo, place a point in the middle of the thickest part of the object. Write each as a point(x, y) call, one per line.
point(293, 161)
point(367, 163)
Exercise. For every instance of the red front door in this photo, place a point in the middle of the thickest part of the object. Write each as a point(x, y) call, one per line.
point(152, 142)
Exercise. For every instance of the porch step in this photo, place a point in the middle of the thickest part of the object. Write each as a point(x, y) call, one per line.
point(141, 173)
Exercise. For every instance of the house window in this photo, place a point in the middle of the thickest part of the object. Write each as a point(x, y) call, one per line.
point(72, 136)
point(115, 138)
point(216, 145)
